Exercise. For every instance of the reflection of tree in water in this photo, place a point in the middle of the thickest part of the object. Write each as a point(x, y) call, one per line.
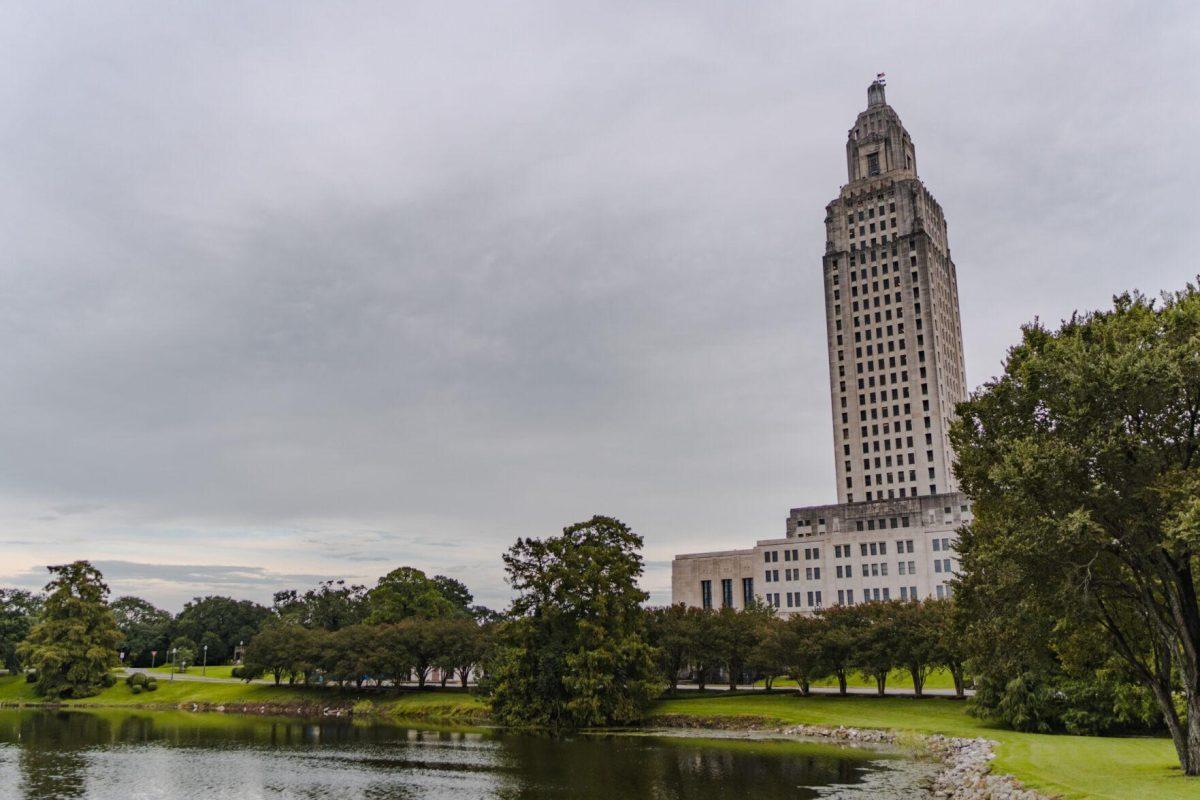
point(52, 756)
point(591, 768)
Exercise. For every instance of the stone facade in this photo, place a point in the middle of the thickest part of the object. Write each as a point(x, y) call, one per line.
point(895, 374)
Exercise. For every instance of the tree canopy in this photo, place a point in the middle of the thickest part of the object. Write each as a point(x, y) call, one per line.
point(74, 644)
point(574, 653)
point(1082, 461)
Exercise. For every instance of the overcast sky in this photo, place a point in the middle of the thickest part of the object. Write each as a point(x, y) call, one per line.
point(302, 290)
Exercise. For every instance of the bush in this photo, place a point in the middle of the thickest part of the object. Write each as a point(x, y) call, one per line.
point(1038, 702)
point(236, 672)
point(152, 686)
point(31, 676)
point(108, 680)
point(136, 689)
point(136, 679)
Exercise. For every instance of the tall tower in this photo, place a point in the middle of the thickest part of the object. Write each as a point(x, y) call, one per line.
point(891, 309)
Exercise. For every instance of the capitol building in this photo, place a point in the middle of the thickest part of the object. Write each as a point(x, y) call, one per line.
point(895, 375)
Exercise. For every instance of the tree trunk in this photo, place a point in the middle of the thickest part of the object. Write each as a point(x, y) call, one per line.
point(918, 681)
point(841, 676)
point(804, 687)
point(464, 674)
point(881, 683)
point(956, 672)
point(445, 677)
point(1192, 765)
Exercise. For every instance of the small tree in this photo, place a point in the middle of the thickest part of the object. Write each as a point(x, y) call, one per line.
point(837, 642)
point(947, 632)
point(737, 633)
point(801, 640)
point(670, 631)
point(916, 641)
point(876, 642)
point(74, 645)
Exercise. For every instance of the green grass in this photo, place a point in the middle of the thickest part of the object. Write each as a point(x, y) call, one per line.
point(214, 671)
point(1072, 766)
point(897, 679)
point(440, 704)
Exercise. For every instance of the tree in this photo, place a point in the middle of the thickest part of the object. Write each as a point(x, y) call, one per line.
point(801, 643)
point(769, 656)
point(456, 592)
point(1082, 462)
point(575, 653)
point(670, 631)
point(74, 645)
point(403, 593)
point(837, 642)
point(332, 605)
point(232, 621)
point(273, 651)
point(948, 632)
point(461, 648)
point(737, 632)
point(876, 639)
point(705, 652)
point(422, 640)
point(143, 626)
point(916, 641)
point(18, 611)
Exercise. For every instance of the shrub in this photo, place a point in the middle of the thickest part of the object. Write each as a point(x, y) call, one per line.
point(236, 672)
point(136, 679)
point(136, 689)
point(152, 686)
point(108, 680)
point(31, 676)
point(363, 708)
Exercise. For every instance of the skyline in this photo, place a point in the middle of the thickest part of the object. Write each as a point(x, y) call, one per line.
point(318, 297)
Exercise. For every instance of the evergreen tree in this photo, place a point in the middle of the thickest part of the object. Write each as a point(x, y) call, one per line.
point(74, 645)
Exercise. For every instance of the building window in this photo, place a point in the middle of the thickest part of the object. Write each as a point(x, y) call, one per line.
point(747, 592)
point(706, 594)
point(727, 593)
point(873, 164)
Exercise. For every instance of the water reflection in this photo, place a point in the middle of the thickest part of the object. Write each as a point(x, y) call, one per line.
point(109, 755)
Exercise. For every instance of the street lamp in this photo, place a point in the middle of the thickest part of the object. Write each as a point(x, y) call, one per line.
point(204, 667)
point(153, 657)
point(174, 661)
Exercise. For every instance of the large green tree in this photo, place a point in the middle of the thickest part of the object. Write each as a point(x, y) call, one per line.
point(144, 628)
point(232, 621)
point(74, 644)
point(18, 612)
point(332, 605)
point(1082, 462)
point(406, 592)
point(575, 653)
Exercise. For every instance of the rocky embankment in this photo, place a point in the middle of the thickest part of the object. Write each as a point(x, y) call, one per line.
point(966, 772)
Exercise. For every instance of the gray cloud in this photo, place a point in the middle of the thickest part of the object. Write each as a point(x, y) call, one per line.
point(455, 274)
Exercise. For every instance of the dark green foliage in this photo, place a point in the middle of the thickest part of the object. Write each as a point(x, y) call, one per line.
point(18, 612)
point(1083, 465)
point(405, 593)
point(331, 606)
point(574, 653)
point(73, 646)
point(143, 627)
point(230, 621)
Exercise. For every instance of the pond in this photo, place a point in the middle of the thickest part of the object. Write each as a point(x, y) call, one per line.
point(128, 754)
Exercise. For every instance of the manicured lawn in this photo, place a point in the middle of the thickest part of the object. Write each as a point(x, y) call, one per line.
point(897, 679)
point(215, 671)
point(443, 704)
point(1071, 766)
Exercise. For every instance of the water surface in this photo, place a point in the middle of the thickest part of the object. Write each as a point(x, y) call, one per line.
point(106, 755)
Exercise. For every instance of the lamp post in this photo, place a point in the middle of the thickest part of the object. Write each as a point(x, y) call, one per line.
point(153, 657)
point(204, 667)
point(174, 661)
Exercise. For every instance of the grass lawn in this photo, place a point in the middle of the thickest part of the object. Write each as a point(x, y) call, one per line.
point(441, 704)
point(897, 679)
point(1071, 766)
point(214, 671)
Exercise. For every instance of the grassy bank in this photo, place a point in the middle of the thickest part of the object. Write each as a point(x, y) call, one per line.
point(442, 704)
point(1071, 766)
